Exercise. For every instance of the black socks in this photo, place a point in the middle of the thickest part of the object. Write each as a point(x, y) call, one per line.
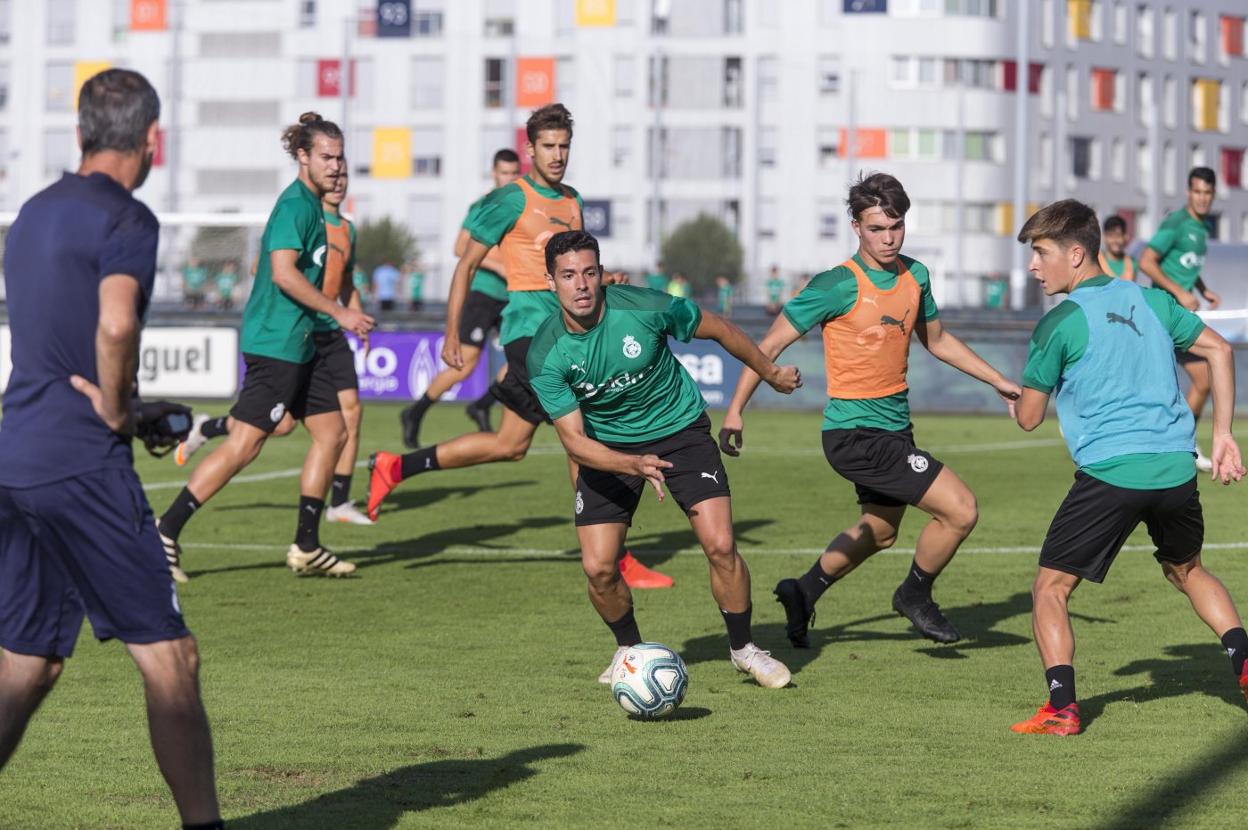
point(215, 427)
point(183, 507)
point(1235, 642)
point(485, 401)
point(918, 582)
point(423, 460)
point(307, 534)
point(340, 491)
point(625, 629)
point(1061, 683)
point(813, 583)
point(738, 628)
point(422, 404)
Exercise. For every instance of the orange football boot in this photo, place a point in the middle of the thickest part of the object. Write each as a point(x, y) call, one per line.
point(1050, 721)
point(637, 575)
point(383, 476)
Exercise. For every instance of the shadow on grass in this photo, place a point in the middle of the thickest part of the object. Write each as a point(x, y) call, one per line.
point(654, 549)
point(378, 803)
point(399, 500)
point(1199, 668)
point(683, 713)
point(1174, 792)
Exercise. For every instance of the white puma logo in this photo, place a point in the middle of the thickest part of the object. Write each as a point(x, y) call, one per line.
point(310, 509)
point(712, 476)
point(428, 463)
point(871, 301)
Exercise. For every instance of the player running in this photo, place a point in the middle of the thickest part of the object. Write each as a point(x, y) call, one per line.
point(290, 368)
point(628, 413)
point(1113, 258)
point(338, 363)
point(483, 310)
point(518, 218)
point(868, 308)
point(1106, 351)
point(76, 532)
point(1174, 259)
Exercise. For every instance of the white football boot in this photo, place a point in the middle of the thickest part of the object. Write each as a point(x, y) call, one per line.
point(347, 513)
point(769, 672)
point(319, 561)
point(194, 440)
point(605, 677)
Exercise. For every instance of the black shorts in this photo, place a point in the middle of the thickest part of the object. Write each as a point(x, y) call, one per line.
point(885, 466)
point(697, 474)
point(514, 391)
point(1096, 518)
point(335, 360)
point(274, 387)
point(1182, 357)
point(481, 313)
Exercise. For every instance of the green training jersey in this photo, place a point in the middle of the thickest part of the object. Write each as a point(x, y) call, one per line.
point(833, 294)
point(1118, 266)
point(622, 375)
point(1059, 342)
point(485, 281)
point(274, 325)
point(725, 299)
point(194, 276)
point(657, 281)
point(775, 290)
point(1181, 242)
point(491, 218)
point(416, 286)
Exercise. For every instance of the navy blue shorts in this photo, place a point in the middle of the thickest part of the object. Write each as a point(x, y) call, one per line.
point(84, 545)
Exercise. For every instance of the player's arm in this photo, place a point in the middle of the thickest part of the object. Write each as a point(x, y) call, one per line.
point(1030, 408)
point(492, 261)
point(474, 254)
point(779, 337)
point(1213, 298)
point(737, 343)
point(948, 348)
point(587, 452)
point(292, 282)
point(116, 353)
point(1150, 264)
point(1227, 463)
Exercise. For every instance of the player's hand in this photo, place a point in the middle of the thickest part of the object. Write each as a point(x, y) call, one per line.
point(364, 343)
point(1228, 466)
point(784, 379)
point(121, 422)
point(1010, 392)
point(354, 320)
point(651, 467)
point(733, 429)
point(1212, 298)
point(450, 350)
point(1188, 300)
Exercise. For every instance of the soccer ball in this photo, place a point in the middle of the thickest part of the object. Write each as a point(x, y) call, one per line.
point(649, 681)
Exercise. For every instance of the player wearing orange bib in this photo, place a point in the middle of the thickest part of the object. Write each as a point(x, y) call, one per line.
point(868, 308)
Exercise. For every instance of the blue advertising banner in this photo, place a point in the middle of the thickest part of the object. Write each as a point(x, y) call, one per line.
point(715, 371)
point(597, 216)
point(394, 18)
point(866, 6)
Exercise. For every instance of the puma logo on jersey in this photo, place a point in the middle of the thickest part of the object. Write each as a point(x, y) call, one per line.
point(554, 220)
point(712, 476)
point(886, 320)
point(1111, 317)
point(871, 301)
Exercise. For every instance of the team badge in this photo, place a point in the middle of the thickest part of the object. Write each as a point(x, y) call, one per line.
point(318, 256)
point(917, 463)
point(580, 503)
point(631, 347)
point(476, 335)
point(276, 413)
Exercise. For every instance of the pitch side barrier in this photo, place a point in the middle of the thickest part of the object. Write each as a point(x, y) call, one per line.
point(196, 356)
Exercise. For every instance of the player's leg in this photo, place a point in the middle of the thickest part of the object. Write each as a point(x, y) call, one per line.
point(306, 554)
point(203, 429)
point(875, 530)
point(178, 725)
point(413, 416)
point(479, 410)
point(25, 680)
point(1055, 639)
point(1197, 395)
point(341, 507)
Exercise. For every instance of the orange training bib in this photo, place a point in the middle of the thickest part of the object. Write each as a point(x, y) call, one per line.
point(337, 253)
point(1128, 267)
point(524, 246)
point(866, 352)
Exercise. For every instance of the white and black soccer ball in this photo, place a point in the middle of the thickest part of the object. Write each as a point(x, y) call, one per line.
point(649, 681)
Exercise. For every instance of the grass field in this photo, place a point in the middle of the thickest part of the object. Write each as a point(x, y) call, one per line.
point(452, 683)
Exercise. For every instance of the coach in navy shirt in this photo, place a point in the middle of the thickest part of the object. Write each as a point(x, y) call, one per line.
point(76, 533)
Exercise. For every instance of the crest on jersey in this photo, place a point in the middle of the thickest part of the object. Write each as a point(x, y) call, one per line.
point(580, 503)
point(476, 335)
point(318, 256)
point(631, 347)
point(917, 463)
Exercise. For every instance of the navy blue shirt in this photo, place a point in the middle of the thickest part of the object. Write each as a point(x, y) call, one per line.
point(66, 239)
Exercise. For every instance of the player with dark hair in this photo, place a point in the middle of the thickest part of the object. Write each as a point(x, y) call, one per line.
point(483, 311)
point(1106, 352)
point(76, 532)
point(518, 218)
point(287, 370)
point(868, 308)
point(1113, 258)
point(1173, 260)
point(628, 413)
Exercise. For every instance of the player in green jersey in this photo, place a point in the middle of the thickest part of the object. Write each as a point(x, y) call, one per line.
point(629, 414)
point(775, 290)
point(483, 309)
point(284, 370)
point(1174, 259)
point(1114, 259)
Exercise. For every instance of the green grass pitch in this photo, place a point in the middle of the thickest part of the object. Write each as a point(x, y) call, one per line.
point(452, 682)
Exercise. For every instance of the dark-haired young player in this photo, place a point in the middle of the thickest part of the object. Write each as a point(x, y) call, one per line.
point(76, 532)
point(1113, 258)
point(518, 218)
point(628, 413)
point(1106, 350)
point(285, 370)
point(868, 309)
point(483, 311)
point(1174, 259)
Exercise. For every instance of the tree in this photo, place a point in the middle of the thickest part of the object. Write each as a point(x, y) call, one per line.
point(703, 249)
point(384, 240)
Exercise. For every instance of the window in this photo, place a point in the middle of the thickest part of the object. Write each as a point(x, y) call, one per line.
point(1145, 101)
point(500, 18)
point(767, 212)
point(734, 22)
point(902, 72)
point(1118, 160)
point(6, 20)
point(1232, 41)
point(829, 218)
point(1081, 157)
point(1048, 22)
point(768, 141)
point(733, 82)
point(427, 19)
point(1120, 22)
point(927, 72)
point(982, 146)
point(830, 74)
point(1079, 21)
point(495, 83)
point(1143, 167)
point(1046, 159)
point(1107, 93)
point(929, 145)
point(427, 152)
point(1170, 102)
point(1198, 157)
point(1169, 35)
point(427, 83)
point(57, 92)
point(730, 144)
point(828, 146)
point(768, 78)
point(1145, 28)
point(307, 14)
point(899, 143)
point(1072, 93)
point(624, 72)
point(1009, 76)
point(949, 143)
point(58, 151)
point(1169, 169)
point(60, 20)
point(621, 146)
point(1207, 109)
point(1233, 166)
point(1198, 37)
point(4, 88)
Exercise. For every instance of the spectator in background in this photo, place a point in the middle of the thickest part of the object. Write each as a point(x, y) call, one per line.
point(679, 286)
point(359, 278)
point(416, 285)
point(657, 279)
point(386, 283)
point(226, 281)
point(775, 290)
point(194, 276)
point(723, 296)
point(1113, 258)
